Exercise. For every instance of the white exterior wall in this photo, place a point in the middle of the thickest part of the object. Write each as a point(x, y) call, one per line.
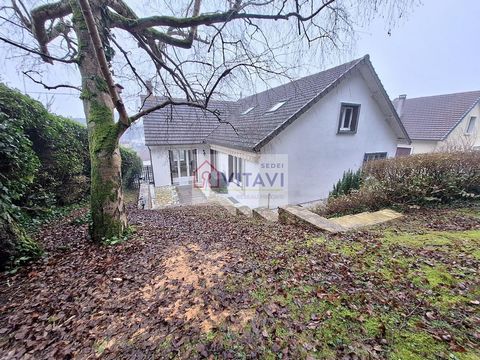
point(423, 146)
point(317, 155)
point(161, 162)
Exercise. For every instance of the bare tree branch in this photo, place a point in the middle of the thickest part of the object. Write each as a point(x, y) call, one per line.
point(26, 19)
point(39, 16)
point(27, 74)
point(207, 19)
point(33, 51)
point(134, 70)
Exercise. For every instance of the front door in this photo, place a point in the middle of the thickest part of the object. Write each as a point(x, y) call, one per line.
point(182, 165)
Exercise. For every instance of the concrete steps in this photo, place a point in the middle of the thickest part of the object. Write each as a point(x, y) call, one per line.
point(243, 210)
point(144, 197)
point(222, 201)
point(293, 214)
point(297, 215)
point(265, 214)
point(289, 214)
point(366, 219)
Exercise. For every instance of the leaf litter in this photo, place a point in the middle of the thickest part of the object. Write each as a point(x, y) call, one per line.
point(195, 281)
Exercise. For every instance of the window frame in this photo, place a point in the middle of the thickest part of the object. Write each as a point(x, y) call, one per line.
point(236, 166)
point(341, 119)
point(214, 158)
point(383, 155)
point(472, 123)
point(406, 147)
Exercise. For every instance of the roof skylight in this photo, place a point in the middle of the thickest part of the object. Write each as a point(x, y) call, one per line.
point(276, 106)
point(248, 110)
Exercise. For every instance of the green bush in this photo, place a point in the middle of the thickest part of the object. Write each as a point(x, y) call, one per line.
point(413, 180)
point(65, 161)
point(51, 151)
point(131, 167)
point(18, 167)
point(43, 163)
point(351, 180)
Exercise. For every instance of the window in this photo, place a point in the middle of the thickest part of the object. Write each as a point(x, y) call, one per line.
point(235, 169)
point(277, 106)
point(374, 156)
point(192, 157)
point(403, 151)
point(182, 163)
point(348, 118)
point(213, 158)
point(248, 110)
point(471, 125)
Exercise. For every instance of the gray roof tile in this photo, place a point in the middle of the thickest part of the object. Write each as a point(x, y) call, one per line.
point(434, 117)
point(181, 124)
point(189, 125)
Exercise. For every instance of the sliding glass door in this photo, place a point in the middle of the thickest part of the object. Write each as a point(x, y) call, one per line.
point(182, 165)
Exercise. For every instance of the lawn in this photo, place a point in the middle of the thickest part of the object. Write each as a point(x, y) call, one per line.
point(195, 282)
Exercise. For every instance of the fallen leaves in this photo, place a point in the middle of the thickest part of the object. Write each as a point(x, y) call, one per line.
point(197, 282)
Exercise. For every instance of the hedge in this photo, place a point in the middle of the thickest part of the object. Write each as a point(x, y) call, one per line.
point(44, 163)
point(413, 180)
point(131, 167)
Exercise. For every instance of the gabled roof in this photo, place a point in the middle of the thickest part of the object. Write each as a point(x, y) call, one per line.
point(434, 117)
point(251, 131)
point(181, 124)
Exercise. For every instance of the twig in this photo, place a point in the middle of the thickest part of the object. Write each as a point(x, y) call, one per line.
point(23, 47)
point(27, 73)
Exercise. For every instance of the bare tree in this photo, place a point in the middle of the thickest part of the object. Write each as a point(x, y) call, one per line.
point(191, 46)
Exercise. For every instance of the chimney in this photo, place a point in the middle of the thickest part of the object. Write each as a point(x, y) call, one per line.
point(149, 85)
point(400, 103)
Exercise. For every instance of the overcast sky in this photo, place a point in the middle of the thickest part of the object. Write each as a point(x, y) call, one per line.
point(435, 50)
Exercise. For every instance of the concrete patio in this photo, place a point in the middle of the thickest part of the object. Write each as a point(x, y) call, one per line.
point(189, 195)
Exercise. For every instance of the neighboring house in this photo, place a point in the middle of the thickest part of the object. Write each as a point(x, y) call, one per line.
point(133, 138)
point(440, 123)
point(307, 132)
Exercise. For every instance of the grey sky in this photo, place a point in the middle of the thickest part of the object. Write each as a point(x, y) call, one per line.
point(434, 50)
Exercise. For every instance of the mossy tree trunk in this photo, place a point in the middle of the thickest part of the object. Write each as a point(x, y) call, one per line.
point(106, 201)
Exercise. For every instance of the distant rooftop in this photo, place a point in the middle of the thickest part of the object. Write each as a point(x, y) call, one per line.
point(434, 117)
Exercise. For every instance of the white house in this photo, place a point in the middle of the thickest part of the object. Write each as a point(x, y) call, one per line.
point(288, 144)
point(440, 123)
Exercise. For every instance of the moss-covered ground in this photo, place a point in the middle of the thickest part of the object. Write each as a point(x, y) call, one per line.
point(409, 289)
